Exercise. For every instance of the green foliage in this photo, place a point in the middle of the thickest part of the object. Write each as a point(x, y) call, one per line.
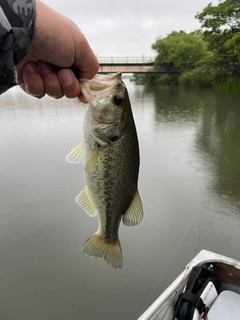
point(155, 79)
point(232, 45)
point(199, 77)
point(222, 19)
point(149, 79)
point(180, 49)
point(232, 85)
point(209, 57)
point(221, 26)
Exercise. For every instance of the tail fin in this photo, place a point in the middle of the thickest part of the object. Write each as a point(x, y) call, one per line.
point(96, 246)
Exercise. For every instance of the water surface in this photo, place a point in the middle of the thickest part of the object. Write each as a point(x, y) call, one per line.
point(189, 183)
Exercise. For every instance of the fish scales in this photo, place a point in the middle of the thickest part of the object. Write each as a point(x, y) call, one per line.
point(110, 153)
point(114, 185)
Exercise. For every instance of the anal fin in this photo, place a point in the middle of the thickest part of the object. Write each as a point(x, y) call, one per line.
point(134, 213)
point(84, 200)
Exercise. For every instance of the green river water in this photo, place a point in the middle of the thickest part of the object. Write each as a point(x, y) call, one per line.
point(189, 183)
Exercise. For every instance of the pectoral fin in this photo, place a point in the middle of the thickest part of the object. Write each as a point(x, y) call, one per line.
point(76, 154)
point(84, 200)
point(134, 213)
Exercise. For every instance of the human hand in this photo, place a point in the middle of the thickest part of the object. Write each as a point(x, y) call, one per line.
point(57, 46)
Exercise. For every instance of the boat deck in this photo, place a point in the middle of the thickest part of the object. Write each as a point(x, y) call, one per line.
point(227, 269)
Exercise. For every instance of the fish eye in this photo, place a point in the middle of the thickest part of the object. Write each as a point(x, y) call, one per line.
point(117, 100)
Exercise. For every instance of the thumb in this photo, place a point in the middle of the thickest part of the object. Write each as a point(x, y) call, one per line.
point(86, 64)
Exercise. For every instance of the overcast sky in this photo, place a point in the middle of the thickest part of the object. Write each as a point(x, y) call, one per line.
point(129, 27)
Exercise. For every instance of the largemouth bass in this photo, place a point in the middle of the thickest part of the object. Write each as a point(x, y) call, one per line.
point(110, 154)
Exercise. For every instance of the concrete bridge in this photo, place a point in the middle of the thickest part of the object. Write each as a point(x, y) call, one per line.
point(132, 65)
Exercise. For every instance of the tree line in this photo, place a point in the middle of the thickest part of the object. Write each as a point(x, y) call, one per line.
point(209, 57)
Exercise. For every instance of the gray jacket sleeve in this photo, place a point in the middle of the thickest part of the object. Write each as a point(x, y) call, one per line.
point(16, 32)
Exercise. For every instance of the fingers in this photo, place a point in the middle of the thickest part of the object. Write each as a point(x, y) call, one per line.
point(31, 81)
point(52, 85)
point(82, 98)
point(69, 83)
point(41, 78)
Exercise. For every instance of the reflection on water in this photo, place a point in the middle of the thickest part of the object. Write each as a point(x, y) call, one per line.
point(215, 118)
point(217, 139)
point(190, 168)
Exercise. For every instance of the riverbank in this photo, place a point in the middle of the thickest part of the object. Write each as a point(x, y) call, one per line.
point(192, 79)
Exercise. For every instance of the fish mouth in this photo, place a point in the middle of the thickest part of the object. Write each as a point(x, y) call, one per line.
point(99, 86)
point(102, 80)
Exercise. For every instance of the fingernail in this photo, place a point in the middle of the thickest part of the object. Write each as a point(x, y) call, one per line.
point(44, 68)
point(65, 77)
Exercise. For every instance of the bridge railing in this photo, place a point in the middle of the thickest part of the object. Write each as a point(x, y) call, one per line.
point(126, 60)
